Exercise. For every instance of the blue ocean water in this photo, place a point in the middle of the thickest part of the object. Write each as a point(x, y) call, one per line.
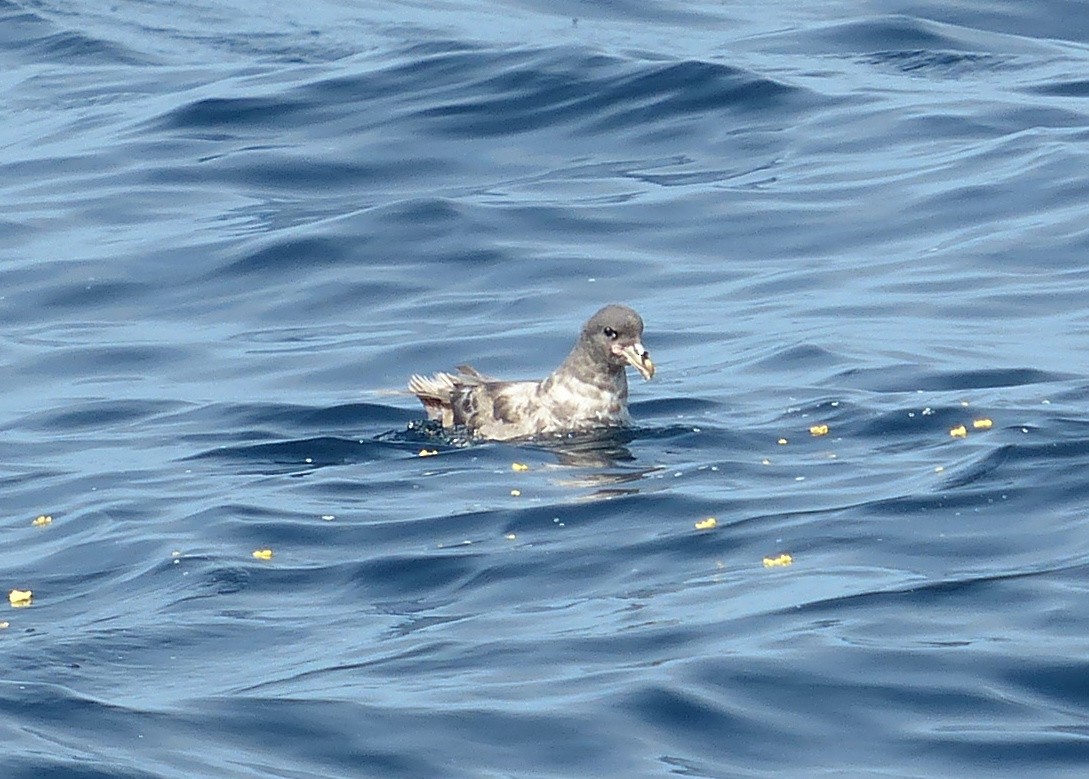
point(232, 230)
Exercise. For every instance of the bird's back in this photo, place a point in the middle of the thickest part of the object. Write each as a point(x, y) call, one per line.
point(504, 410)
point(488, 407)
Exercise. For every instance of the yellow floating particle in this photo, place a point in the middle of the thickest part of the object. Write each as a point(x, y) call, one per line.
point(262, 554)
point(818, 430)
point(781, 561)
point(4, 625)
point(428, 452)
point(782, 442)
point(982, 424)
point(515, 493)
point(42, 521)
point(519, 467)
point(765, 461)
point(707, 524)
point(510, 536)
point(960, 431)
point(20, 598)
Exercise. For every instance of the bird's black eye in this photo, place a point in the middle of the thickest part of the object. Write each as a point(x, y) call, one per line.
point(610, 333)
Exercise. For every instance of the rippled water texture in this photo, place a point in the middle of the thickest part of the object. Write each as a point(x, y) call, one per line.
point(231, 231)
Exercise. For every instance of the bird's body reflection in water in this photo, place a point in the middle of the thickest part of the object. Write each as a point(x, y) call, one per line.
point(606, 450)
point(604, 453)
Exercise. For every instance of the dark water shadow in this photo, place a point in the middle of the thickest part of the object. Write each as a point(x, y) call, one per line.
point(605, 453)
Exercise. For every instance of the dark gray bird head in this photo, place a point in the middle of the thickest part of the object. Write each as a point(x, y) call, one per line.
point(614, 335)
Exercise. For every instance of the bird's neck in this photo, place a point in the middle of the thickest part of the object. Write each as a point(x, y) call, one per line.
point(581, 368)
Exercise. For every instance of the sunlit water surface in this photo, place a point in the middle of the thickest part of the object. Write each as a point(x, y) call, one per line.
point(232, 230)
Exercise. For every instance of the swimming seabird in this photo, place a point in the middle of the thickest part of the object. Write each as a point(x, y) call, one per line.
point(588, 391)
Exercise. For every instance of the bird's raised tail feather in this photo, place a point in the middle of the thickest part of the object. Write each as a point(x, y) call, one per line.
point(436, 393)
